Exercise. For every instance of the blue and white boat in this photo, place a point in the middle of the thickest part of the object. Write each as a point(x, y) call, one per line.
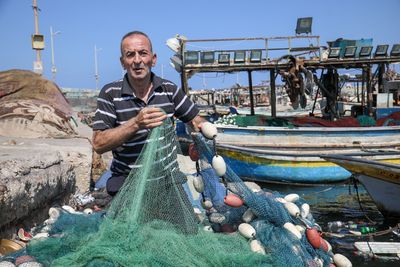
point(292, 155)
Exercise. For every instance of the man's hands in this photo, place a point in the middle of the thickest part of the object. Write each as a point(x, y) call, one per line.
point(150, 117)
point(109, 139)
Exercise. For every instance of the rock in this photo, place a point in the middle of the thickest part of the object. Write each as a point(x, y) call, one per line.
point(36, 172)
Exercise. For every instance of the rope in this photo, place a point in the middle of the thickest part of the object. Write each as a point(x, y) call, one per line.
point(359, 201)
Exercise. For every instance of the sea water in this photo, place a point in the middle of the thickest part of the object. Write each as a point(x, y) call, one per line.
point(340, 203)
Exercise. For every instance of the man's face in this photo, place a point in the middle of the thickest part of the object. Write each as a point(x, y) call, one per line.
point(137, 58)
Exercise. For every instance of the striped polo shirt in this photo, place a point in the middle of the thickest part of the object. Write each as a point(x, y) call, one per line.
point(117, 104)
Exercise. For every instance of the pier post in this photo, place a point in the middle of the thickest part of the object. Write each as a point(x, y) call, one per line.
point(251, 94)
point(273, 93)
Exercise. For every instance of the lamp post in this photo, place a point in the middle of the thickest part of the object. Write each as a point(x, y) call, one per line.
point(96, 70)
point(37, 41)
point(53, 66)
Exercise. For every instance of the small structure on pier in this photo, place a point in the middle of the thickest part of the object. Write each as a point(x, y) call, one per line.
point(298, 65)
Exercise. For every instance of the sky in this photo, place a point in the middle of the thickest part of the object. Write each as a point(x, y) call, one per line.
point(84, 24)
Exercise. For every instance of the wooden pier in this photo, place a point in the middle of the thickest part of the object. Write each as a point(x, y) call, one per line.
point(293, 63)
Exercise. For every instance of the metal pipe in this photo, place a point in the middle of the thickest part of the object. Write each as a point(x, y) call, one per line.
point(36, 18)
point(251, 93)
point(273, 93)
point(53, 66)
point(369, 91)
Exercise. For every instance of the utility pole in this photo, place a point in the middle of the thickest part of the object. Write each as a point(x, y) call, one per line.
point(37, 41)
point(96, 70)
point(53, 66)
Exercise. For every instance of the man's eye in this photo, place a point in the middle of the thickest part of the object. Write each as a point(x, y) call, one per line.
point(130, 54)
point(143, 53)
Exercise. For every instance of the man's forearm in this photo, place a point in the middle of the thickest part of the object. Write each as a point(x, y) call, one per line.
point(109, 139)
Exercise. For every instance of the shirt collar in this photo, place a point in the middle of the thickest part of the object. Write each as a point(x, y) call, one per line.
point(127, 90)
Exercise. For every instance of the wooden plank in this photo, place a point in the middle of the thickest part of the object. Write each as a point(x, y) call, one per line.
point(378, 247)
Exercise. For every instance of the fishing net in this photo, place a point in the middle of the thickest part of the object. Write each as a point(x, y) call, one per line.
point(270, 215)
point(151, 221)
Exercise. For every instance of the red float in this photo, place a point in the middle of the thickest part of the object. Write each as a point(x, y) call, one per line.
point(233, 201)
point(324, 245)
point(23, 259)
point(193, 153)
point(313, 237)
point(227, 228)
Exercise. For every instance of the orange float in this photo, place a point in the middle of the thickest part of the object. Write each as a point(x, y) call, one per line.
point(324, 245)
point(233, 200)
point(313, 237)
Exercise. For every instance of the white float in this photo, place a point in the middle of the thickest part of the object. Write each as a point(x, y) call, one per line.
point(88, 211)
point(208, 228)
point(54, 213)
point(69, 209)
point(216, 217)
point(301, 229)
point(6, 264)
point(257, 247)
point(207, 204)
point(304, 210)
point(291, 228)
point(208, 130)
point(248, 216)
point(292, 197)
point(247, 230)
point(281, 200)
point(198, 183)
point(292, 209)
point(218, 163)
point(341, 261)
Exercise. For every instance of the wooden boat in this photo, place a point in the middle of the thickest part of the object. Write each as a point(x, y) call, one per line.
point(292, 154)
point(284, 155)
point(381, 180)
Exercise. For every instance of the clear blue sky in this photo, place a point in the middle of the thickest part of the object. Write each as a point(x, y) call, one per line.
point(85, 23)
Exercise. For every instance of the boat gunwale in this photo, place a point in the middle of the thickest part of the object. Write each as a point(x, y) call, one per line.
point(263, 153)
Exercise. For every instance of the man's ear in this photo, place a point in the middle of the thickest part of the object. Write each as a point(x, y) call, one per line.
point(122, 62)
point(154, 60)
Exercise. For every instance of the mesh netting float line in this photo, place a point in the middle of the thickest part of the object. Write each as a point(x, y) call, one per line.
point(149, 223)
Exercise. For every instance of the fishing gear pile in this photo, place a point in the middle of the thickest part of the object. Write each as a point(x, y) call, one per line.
point(151, 221)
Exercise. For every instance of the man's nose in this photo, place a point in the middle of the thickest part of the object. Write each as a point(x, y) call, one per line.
point(137, 58)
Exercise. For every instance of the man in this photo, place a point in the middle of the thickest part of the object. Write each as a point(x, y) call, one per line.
point(128, 109)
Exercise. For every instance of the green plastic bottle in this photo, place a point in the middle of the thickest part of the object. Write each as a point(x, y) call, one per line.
point(367, 229)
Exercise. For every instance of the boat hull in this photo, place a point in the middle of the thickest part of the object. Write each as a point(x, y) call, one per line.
point(381, 180)
point(266, 165)
point(386, 195)
point(292, 155)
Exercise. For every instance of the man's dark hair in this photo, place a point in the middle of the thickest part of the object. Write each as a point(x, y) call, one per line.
point(136, 33)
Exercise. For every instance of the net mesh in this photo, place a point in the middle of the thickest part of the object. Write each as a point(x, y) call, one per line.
point(271, 215)
point(151, 221)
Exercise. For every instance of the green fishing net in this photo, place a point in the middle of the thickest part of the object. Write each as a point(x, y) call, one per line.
point(150, 222)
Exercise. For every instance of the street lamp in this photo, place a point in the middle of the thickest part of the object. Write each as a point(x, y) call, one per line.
point(53, 66)
point(96, 71)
